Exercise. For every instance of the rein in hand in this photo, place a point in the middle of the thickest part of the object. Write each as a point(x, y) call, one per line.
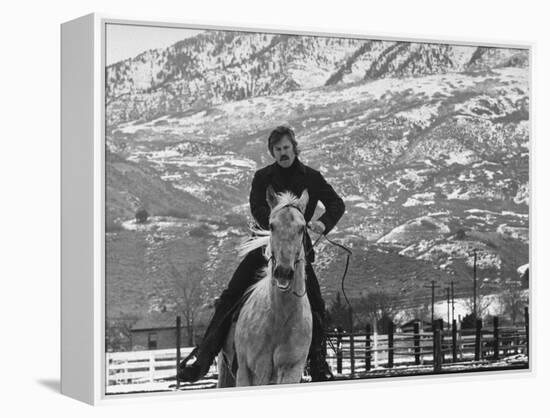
point(348, 255)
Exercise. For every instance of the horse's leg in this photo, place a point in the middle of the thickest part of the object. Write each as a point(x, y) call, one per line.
point(226, 376)
point(222, 371)
point(262, 373)
point(288, 374)
point(243, 376)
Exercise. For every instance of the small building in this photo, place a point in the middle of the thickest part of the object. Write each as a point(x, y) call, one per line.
point(155, 332)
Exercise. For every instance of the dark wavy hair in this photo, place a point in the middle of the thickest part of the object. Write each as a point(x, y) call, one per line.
point(277, 134)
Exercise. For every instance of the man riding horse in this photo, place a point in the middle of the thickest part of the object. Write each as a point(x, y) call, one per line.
point(287, 173)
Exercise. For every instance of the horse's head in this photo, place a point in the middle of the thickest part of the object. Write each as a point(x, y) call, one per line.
point(288, 227)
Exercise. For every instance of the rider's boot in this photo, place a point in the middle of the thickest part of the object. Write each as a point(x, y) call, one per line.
point(318, 367)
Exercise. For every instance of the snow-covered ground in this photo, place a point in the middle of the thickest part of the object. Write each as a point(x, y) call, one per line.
point(154, 223)
point(403, 366)
point(420, 199)
point(463, 306)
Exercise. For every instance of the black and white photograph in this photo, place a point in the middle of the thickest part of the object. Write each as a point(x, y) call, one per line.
point(296, 208)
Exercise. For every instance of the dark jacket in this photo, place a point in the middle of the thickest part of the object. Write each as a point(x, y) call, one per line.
point(296, 179)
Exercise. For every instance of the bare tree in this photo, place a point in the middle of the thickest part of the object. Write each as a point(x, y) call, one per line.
point(177, 272)
point(188, 296)
point(118, 332)
point(513, 300)
point(379, 307)
point(482, 308)
point(338, 313)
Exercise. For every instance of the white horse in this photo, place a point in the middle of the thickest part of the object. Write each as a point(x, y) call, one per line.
point(270, 341)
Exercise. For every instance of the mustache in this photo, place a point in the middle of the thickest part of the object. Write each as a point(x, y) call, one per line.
point(284, 157)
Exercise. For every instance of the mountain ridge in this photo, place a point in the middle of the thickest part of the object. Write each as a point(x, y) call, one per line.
point(217, 67)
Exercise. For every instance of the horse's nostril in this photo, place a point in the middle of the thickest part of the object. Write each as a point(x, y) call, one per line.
point(283, 272)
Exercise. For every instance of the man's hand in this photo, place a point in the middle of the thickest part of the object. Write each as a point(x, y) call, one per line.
point(317, 226)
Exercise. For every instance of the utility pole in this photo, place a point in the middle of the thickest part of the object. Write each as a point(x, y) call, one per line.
point(453, 298)
point(432, 286)
point(178, 349)
point(448, 306)
point(475, 284)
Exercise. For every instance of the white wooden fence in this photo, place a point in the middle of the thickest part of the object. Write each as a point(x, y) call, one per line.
point(348, 355)
point(149, 370)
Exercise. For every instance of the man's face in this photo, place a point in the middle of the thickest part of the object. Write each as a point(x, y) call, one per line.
point(283, 152)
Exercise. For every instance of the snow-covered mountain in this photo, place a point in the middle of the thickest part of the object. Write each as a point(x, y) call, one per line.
point(221, 66)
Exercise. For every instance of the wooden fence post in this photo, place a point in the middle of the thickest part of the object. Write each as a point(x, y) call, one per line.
point(107, 368)
point(495, 338)
point(526, 314)
point(151, 367)
point(339, 350)
point(441, 328)
point(437, 349)
point(127, 380)
point(390, 344)
point(477, 352)
point(375, 346)
point(351, 343)
point(416, 342)
point(454, 341)
point(178, 349)
point(434, 327)
point(367, 348)
point(352, 353)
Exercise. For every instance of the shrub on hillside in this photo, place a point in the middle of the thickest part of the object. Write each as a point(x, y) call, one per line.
point(141, 216)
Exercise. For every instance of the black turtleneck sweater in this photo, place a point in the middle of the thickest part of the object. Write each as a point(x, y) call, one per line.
point(295, 179)
point(287, 174)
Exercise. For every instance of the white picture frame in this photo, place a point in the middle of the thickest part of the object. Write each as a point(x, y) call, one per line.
point(83, 373)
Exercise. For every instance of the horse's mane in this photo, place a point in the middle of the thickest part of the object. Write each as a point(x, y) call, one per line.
point(261, 237)
point(285, 199)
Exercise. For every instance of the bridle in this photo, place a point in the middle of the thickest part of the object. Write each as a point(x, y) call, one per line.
point(299, 259)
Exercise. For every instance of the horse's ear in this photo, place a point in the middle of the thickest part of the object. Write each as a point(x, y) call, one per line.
point(302, 202)
point(271, 197)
